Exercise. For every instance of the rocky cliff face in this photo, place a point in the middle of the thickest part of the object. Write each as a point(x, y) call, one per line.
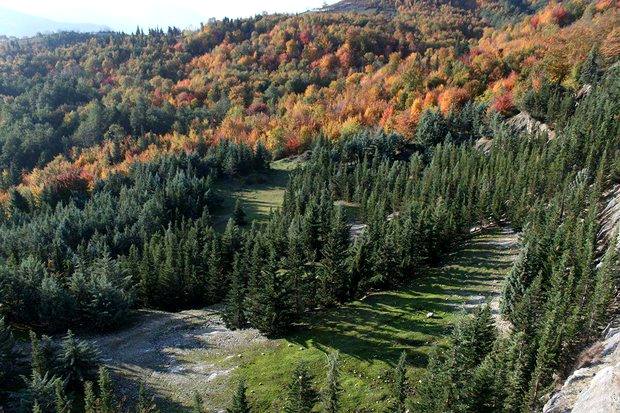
point(595, 385)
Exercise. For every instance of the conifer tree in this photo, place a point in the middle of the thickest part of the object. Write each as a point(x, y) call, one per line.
point(301, 396)
point(42, 355)
point(197, 404)
point(106, 402)
point(144, 403)
point(77, 362)
point(333, 387)
point(240, 402)
point(589, 71)
point(90, 399)
point(62, 403)
point(234, 315)
point(400, 380)
point(333, 273)
point(239, 216)
point(7, 352)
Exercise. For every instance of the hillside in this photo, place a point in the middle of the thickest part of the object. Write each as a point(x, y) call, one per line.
point(192, 351)
point(318, 183)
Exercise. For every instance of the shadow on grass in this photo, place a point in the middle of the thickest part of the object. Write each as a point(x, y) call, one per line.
point(259, 194)
point(384, 324)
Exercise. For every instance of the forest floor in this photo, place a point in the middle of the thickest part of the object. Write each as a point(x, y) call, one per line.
point(177, 355)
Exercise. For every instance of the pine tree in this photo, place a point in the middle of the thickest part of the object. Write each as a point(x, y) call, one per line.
point(400, 380)
point(144, 404)
point(334, 278)
point(7, 352)
point(606, 279)
point(333, 388)
point(269, 304)
point(63, 404)
point(240, 402)
point(301, 396)
point(42, 355)
point(590, 71)
point(198, 404)
point(106, 394)
point(239, 216)
point(77, 362)
point(90, 399)
point(234, 315)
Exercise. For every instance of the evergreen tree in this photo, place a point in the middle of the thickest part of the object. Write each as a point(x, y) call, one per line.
point(42, 355)
point(77, 362)
point(589, 72)
point(234, 315)
point(106, 402)
point(301, 395)
point(240, 402)
point(63, 404)
point(333, 388)
point(90, 399)
point(268, 301)
point(400, 381)
point(239, 217)
point(198, 404)
point(144, 403)
point(7, 352)
point(334, 278)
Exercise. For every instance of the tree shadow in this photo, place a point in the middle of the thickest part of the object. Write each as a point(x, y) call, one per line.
point(415, 318)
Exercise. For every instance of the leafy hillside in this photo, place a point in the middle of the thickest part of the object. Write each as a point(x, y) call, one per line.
point(136, 173)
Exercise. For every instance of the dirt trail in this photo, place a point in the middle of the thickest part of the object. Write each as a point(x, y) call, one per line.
point(157, 351)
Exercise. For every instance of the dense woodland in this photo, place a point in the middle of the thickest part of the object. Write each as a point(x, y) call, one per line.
point(112, 144)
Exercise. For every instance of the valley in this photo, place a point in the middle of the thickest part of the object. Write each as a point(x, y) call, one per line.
point(177, 355)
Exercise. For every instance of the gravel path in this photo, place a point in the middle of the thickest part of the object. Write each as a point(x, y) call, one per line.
point(169, 353)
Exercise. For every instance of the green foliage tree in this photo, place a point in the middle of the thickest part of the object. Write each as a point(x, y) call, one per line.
point(333, 387)
point(301, 396)
point(400, 383)
point(239, 402)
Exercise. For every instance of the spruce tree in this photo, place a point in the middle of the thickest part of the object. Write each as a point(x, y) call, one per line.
point(239, 216)
point(77, 362)
point(301, 396)
point(106, 402)
point(62, 403)
point(334, 277)
point(333, 387)
point(234, 314)
point(42, 355)
point(400, 383)
point(144, 403)
point(7, 352)
point(240, 402)
point(90, 399)
point(589, 72)
point(197, 404)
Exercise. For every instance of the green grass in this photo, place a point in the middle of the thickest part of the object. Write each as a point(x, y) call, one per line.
point(370, 334)
point(260, 193)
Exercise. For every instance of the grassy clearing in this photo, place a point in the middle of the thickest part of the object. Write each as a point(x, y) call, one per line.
point(371, 333)
point(259, 193)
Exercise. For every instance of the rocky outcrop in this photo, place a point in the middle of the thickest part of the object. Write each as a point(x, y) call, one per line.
point(595, 384)
point(524, 122)
point(609, 217)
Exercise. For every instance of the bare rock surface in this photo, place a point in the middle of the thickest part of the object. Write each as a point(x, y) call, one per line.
point(595, 384)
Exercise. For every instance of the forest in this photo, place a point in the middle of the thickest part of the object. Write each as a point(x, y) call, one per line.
point(114, 148)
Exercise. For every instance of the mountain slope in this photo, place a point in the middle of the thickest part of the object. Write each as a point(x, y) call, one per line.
point(16, 24)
